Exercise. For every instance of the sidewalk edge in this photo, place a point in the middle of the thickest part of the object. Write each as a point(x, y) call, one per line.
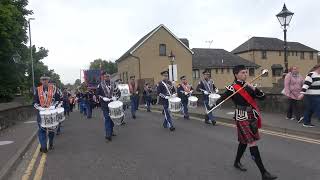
point(8, 167)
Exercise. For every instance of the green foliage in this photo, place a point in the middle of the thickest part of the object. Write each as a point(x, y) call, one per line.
point(109, 66)
point(13, 37)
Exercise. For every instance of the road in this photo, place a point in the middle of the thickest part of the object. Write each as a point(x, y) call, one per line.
point(143, 150)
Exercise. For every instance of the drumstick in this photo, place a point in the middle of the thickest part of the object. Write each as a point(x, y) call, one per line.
point(263, 72)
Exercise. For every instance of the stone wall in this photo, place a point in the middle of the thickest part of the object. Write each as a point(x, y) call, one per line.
point(10, 116)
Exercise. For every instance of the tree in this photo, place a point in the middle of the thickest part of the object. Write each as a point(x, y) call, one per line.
point(13, 26)
point(109, 66)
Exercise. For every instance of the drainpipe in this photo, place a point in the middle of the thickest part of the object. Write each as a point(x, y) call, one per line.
point(136, 57)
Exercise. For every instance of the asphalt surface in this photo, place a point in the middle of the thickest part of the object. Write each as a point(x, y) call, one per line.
point(143, 150)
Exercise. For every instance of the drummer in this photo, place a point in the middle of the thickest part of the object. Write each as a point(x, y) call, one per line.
point(166, 90)
point(147, 91)
point(184, 92)
point(207, 87)
point(46, 95)
point(134, 91)
point(107, 92)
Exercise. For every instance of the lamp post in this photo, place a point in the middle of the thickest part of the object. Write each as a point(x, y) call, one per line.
point(31, 58)
point(284, 18)
point(172, 58)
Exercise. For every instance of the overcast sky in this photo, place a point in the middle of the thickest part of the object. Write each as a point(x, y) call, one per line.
point(78, 31)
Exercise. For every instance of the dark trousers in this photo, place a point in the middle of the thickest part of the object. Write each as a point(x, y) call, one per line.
point(108, 123)
point(42, 134)
point(134, 107)
point(294, 107)
point(312, 105)
point(148, 101)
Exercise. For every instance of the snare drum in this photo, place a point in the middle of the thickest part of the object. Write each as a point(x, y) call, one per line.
point(60, 115)
point(116, 110)
point(174, 104)
point(213, 98)
point(192, 102)
point(49, 118)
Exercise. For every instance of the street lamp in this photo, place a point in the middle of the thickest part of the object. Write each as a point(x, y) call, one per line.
point(172, 58)
point(284, 18)
point(31, 58)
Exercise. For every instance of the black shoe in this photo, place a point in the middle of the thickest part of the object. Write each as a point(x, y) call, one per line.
point(239, 166)
point(172, 128)
point(186, 117)
point(109, 138)
point(43, 150)
point(51, 147)
point(134, 117)
point(58, 133)
point(268, 176)
point(207, 122)
point(214, 123)
point(113, 134)
point(148, 111)
point(123, 123)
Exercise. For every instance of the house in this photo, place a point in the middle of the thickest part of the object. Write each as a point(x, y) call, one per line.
point(149, 56)
point(220, 62)
point(268, 53)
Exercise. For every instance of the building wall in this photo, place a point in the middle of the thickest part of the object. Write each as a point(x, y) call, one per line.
point(127, 68)
point(151, 63)
point(275, 57)
point(221, 78)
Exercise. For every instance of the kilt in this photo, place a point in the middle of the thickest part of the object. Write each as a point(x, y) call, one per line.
point(247, 130)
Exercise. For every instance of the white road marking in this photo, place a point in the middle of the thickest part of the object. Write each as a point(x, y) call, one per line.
point(5, 142)
point(29, 122)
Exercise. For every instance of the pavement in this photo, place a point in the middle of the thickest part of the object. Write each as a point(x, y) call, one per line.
point(144, 150)
point(270, 121)
point(15, 141)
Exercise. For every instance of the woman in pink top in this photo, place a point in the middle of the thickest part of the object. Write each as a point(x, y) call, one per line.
point(292, 86)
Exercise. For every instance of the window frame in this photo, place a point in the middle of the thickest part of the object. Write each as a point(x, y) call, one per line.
point(264, 55)
point(195, 73)
point(165, 50)
point(301, 55)
point(311, 56)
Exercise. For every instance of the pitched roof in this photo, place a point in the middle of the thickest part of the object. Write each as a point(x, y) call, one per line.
point(270, 44)
point(146, 37)
point(217, 58)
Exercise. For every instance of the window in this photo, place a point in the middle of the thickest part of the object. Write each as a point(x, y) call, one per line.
point(162, 50)
point(264, 54)
point(127, 77)
point(195, 74)
point(228, 70)
point(279, 53)
point(311, 55)
point(276, 72)
point(217, 71)
point(292, 53)
point(296, 53)
point(120, 76)
point(301, 55)
point(222, 70)
point(251, 71)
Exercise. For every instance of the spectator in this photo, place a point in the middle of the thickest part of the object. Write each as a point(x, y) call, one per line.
point(311, 94)
point(292, 87)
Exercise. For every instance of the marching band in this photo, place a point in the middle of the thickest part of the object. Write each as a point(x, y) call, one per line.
point(114, 97)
